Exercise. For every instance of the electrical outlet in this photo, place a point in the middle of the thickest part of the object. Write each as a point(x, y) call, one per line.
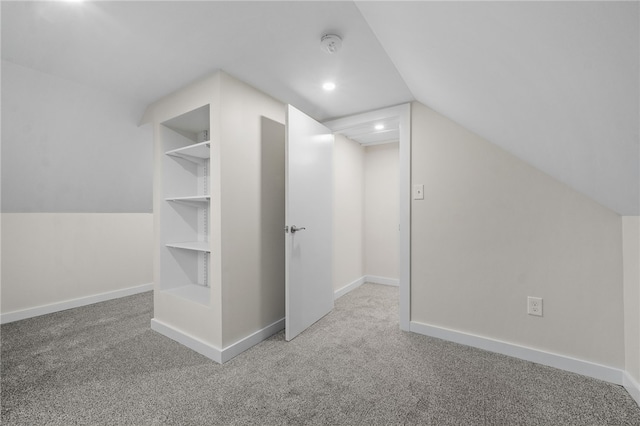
point(534, 306)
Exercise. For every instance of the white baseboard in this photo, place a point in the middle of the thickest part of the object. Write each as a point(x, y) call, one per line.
point(187, 340)
point(374, 279)
point(73, 303)
point(251, 340)
point(586, 368)
point(210, 351)
point(347, 288)
point(631, 386)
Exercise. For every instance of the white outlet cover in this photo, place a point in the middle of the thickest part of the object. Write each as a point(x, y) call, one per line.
point(534, 306)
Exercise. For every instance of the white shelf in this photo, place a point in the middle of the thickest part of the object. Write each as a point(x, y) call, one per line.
point(195, 152)
point(199, 199)
point(193, 292)
point(191, 245)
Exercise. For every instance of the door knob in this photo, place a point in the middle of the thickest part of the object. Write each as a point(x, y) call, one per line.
point(295, 229)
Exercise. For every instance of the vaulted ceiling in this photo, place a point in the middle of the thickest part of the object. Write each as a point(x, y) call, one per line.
point(555, 83)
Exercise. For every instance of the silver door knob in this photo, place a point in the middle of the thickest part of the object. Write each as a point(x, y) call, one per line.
point(295, 229)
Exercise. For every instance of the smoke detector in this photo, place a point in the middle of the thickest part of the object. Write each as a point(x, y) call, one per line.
point(330, 43)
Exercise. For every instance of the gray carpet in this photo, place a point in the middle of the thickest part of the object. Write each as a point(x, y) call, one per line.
point(102, 364)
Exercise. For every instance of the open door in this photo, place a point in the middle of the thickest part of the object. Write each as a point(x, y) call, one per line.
point(309, 222)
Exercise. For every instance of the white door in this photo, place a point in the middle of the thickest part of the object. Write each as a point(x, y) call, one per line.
point(309, 220)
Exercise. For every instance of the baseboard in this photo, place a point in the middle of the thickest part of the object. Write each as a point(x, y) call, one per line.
point(586, 368)
point(212, 352)
point(349, 287)
point(187, 340)
point(251, 340)
point(631, 386)
point(374, 279)
point(73, 303)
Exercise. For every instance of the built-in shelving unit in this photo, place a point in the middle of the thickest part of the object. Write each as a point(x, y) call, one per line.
point(184, 218)
point(219, 265)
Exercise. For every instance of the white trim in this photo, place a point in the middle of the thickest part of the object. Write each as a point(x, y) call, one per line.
point(187, 340)
point(374, 279)
point(562, 362)
point(404, 181)
point(348, 288)
point(73, 303)
point(631, 386)
point(251, 340)
point(212, 352)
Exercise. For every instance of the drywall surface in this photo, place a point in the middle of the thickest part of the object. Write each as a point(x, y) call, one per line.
point(250, 299)
point(76, 192)
point(493, 230)
point(631, 268)
point(49, 258)
point(348, 211)
point(272, 220)
point(70, 148)
point(381, 210)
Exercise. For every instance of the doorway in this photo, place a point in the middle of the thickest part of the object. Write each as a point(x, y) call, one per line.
point(376, 129)
point(304, 134)
point(365, 213)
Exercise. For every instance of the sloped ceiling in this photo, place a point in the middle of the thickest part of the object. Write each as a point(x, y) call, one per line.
point(146, 50)
point(555, 83)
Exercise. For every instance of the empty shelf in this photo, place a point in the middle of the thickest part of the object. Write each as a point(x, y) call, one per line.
point(192, 199)
point(196, 152)
point(191, 245)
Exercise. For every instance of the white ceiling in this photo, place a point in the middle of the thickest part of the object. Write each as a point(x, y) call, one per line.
point(555, 83)
point(376, 132)
point(147, 49)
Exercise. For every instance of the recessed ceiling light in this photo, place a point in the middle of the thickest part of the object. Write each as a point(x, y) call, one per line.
point(329, 86)
point(379, 126)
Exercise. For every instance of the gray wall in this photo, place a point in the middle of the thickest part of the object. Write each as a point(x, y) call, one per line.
point(70, 148)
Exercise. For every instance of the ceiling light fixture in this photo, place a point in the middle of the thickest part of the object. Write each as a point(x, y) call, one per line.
point(330, 43)
point(329, 86)
point(379, 126)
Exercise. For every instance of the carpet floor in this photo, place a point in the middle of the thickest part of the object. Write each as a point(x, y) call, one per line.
point(102, 364)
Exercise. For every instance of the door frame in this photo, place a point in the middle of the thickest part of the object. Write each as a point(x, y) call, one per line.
point(403, 114)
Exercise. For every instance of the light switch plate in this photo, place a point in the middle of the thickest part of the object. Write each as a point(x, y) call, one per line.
point(418, 192)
